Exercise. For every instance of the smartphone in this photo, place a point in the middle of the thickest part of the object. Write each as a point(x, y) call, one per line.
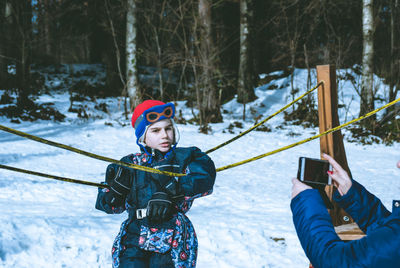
point(313, 171)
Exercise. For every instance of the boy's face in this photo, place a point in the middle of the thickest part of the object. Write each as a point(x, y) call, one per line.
point(160, 135)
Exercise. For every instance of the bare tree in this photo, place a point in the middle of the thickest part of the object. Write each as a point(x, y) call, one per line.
point(41, 44)
point(4, 17)
point(367, 95)
point(394, 50)
point(46, 24)
point(246, 82)
point(209, 103)
point(110, 25)
point(185, 60)
point(132, 76)
point(159, 30)
point(22, 18)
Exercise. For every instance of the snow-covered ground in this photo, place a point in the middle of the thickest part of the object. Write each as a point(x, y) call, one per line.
point(246, 222)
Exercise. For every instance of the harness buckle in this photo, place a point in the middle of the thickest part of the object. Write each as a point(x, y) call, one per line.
point(141, 213)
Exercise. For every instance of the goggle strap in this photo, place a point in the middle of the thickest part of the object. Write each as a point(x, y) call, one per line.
point(138, 120)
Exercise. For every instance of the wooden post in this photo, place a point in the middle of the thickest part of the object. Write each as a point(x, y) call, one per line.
point(332, 143)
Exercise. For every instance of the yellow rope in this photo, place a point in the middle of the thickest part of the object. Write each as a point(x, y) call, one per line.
point(265, 120)
point(95, 156)
point(143, 168)
point(308, 139)
point(59, 145)
point(53, 176)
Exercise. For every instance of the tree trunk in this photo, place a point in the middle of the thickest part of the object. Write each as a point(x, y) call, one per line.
point(308, 67)
point(23, 17)
point(210, 106)
point(395, 60)
point(292, 48)
point(115, 74)
point(57, 43)
point(245, 82)
point(4, 36)
point(132, 76)
point(367, 96)
point(159, 66)
point(46, 26)
point(85, 38)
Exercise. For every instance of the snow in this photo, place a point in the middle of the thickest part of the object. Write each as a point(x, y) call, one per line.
point(246, 222)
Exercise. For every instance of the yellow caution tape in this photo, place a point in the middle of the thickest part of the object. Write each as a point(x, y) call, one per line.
point(53, 176)
point(308, 139)
point(265, 120)
point(69, 148)
point(99, 157)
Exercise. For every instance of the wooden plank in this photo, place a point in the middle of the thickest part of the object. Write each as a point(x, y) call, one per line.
point(332, 143)
point(352, 236)
point(349, 232)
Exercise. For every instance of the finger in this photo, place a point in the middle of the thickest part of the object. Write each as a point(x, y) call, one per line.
point(164, 213)
point(297, 183)
point(334, 175)
point(340, 191)
point(339, 175)
point(148, 213)
point(301, 186)
point(161, 213)
point(338, 181)
point(326, 156)
point(151, 211)
point(335, 184)
point(333, 162)
point(158, 213)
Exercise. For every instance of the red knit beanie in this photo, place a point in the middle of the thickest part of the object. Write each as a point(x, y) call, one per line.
point(143, 107)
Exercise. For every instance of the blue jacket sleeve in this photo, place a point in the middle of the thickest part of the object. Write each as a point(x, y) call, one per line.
point(105, 194)
point(324, 248)
point(365, 208)
point(200, 176)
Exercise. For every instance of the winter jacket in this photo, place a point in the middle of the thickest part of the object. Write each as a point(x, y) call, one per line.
point(379, 248)
point(176, 235)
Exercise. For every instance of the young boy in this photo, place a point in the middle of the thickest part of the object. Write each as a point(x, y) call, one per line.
point(157, 232)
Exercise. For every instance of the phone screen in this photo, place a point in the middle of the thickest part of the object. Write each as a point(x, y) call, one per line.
point(314, 171)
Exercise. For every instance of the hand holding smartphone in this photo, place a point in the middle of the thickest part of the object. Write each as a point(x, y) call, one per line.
point(314, 172)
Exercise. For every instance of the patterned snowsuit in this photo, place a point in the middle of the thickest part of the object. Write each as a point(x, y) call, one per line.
point(176, 237)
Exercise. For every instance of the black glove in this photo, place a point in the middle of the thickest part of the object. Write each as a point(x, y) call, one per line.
point(160, 207)
point(113, 200)
point(118, 178)
point(167, 184)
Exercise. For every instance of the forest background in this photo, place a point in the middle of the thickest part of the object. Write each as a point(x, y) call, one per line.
point(205, 52)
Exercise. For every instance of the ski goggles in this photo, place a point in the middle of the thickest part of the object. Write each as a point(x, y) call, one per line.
point(157, 113)
point(154, 115)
